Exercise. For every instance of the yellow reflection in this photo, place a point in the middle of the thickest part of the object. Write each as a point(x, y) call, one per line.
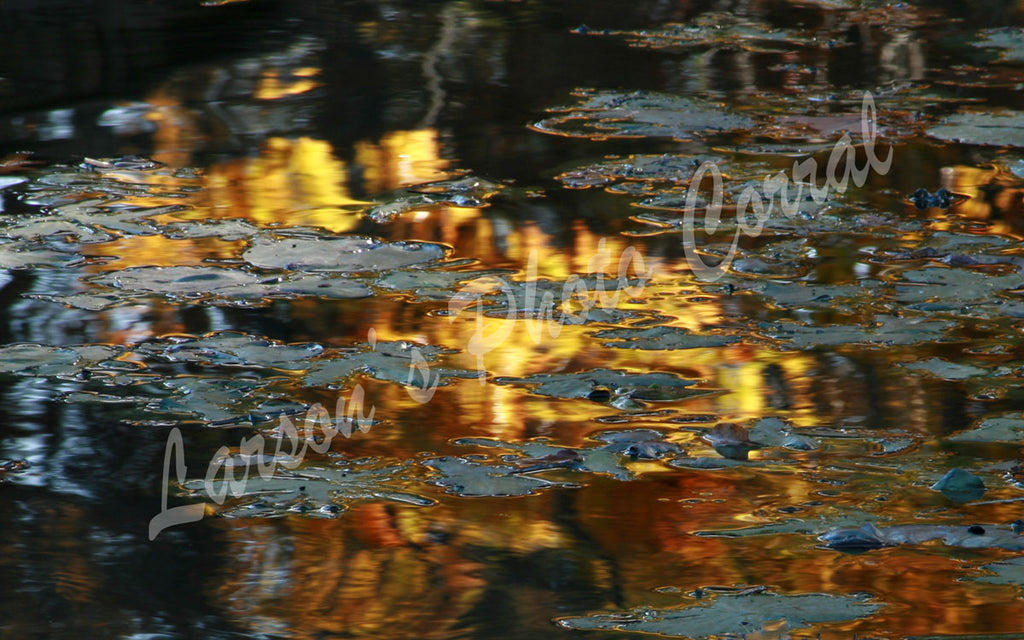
point(401, 158)
point(273, 87)
point(995, 196)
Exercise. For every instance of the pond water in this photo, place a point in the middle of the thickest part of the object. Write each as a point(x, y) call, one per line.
point(419, 320)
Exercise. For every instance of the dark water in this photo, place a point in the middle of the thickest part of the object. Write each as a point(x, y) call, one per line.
point(870, 346)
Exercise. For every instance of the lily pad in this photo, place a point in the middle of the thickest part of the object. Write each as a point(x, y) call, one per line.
point(662, 338)
point(472, 478)
point(1003, 129)
point(608, 114)
point(954, 286)
point(887, 330)
point(729, 614)
point(402, 362)
point(666, 168)
point(960, 486)
point(176, 280)
point(315, 490)
point(1003, 429)
point(587, 384)
point(468, 191)
point(944, 369)
point(346, 253)
point(1009, 571)
point(1009, 40)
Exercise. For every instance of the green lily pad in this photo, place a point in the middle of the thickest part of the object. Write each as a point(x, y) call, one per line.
point(401, 362)
point(346, 253)
point(1009, 571)
point(960, 486)
point(944, 369)
point(608, 114)
point(315, 490)
point(231, 348)
point(666, 168)
point(662, 338)
point(472, 478)
point(175, 280)
point(1003, 129)
point(954, 286)
point(887, 330)
point(1004, 429)
point(1009, 40)
point(642, 386)
point(731, 614)
point(467, 191)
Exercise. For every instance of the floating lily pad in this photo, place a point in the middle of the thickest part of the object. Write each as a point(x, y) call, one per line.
point(468, 191)
point(347, 253)
point(1003, 129)
point(471, 478)
point(1009, 40)
point(944, 369)
point(37, 359)
point(662, 338)
point(176, 280)
point(1004, 429)
point(1006, 572)
point(960, 486)
point(313, 490)
point(646, 386)
point(540, 456)
point(971, 537)
point(888, 330)
point(666, 168)
point(607, 114)
point(719, 30)
point(955, 286)
point(402, 362)
point(231, 348)
point(731, 614)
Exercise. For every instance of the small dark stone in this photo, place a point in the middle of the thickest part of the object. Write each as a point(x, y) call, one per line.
point(976, 529)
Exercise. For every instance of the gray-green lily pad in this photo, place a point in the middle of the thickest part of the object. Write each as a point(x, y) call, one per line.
point(887, 330)
point(1002, 129)
point(666, 168)
point(403, 362)
point(960, 485)
point(1009, 571)
point(1002, 429)
point(540, 456)
point(608, 114)
point(642, 386)
point(175, 280)
point(944, 369)
point(729, 614)
point(345, 253)
point(472, 478)
point(662, 338)
point(956, 286)
point(231, 348)
point(1009, 40)
point(468, 191)
point(314, 490)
